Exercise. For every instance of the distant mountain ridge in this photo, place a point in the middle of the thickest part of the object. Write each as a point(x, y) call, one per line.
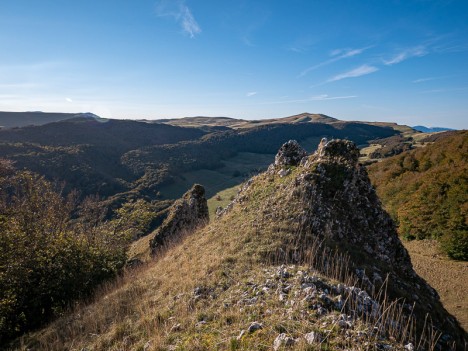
point(235, 123)
point(37, 118)
point(431, 129)
point(154, 158)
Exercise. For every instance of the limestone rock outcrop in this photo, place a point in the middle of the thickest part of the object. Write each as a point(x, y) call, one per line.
point(185, 215)
point(290, 154)
point(327, 198)
point(342, 205)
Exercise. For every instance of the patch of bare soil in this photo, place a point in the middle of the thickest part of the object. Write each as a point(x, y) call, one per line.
point(448, 277)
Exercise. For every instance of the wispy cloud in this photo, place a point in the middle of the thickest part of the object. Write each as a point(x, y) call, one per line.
point(357, 72)
point(251, 93)
point(27, 85)
point(68, 99)
point(327, 97)
point(417, 51)
point(322, 97)
point(338, 54)
point(428, 79)
point(421, 80)
point(444, 90)
point(180, 13)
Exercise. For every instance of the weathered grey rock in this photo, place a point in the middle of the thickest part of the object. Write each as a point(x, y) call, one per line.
point(313, 338)
point(343, 206)
point(283, 340)
point(254, 326)
point(290, 154)
point(283, 172)
point(185, 215)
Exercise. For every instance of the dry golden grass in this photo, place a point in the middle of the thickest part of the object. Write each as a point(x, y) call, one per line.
point(448, 277)
point(154, 306)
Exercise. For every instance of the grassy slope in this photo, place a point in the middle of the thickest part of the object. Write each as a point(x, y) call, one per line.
point(156, 308)
point(448, 277)
point(235, 170)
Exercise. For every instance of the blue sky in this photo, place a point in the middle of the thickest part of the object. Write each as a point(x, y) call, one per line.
point(403, 61)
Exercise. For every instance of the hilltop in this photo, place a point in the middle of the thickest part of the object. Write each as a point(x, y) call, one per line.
point(36, 118)
point(305, 257)
point(431, 129)
point(242, 124)
point(122, 160)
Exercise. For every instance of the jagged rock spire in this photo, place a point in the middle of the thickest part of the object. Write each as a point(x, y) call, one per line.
point(185, 215)
point(290, 154)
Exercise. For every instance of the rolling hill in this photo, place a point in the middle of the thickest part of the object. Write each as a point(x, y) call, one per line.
point(23, 119)
point(128, 159)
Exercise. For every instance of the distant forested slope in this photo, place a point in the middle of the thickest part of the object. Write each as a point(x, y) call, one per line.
point(426, 191)
point(138, 159)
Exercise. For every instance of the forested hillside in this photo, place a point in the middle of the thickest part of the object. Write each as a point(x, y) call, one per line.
point(130, 159)
point(426, 191)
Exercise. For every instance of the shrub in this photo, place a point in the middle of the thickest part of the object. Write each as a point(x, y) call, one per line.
point(48, 257)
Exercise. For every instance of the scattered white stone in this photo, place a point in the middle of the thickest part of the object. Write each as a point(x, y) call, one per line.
point(175, 327)
point(409, 347)
point(313, 337)
point(147, 346)
point(241, 334)
point(283, 340)
point(283, 172)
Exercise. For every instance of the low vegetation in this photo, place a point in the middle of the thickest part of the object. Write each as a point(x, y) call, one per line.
point(55, 250)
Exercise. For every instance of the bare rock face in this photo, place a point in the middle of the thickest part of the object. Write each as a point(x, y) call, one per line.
point(290, 154)
point(333, 200)
point(343, 206)
point(185, 215)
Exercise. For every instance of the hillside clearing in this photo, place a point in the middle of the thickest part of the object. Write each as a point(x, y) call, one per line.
point(448, 277)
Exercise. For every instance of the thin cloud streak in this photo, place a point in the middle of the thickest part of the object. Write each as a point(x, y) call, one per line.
point(322, 97)
point(421, 80)
point(417, 51)
point(427, 79)
point(443, 90)
point(337, 55)
point(180, 13)
point(188, 22)
point(252, 93)
point(357, 72)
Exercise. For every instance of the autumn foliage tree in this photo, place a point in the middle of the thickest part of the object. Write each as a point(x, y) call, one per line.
point(426, 192)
